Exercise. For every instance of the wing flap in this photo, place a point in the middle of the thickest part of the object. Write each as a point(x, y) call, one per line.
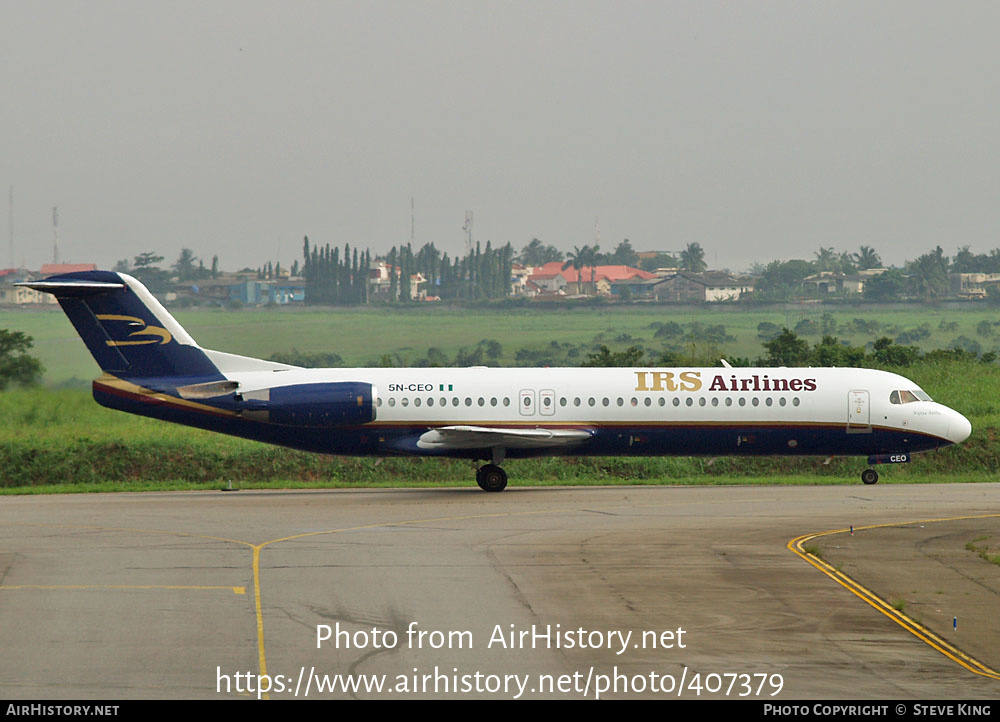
point(482, 437)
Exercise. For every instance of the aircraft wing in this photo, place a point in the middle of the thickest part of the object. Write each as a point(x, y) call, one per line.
point(482, 437)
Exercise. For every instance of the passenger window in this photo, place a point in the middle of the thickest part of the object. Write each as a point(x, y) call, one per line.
point(677, 401)
point(743, 401)
point(506, 401)
point(576, 401)
point(404, 401)
point(392, 402)
point(795, 401)
point(663, 401)
point(493, 401)
point(648, 401)
point(701, 401)
point(416, 401)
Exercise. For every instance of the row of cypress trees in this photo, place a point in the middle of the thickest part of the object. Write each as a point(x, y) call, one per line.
point(333, 277)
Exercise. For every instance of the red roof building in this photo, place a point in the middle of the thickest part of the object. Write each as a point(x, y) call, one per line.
point(51, 269)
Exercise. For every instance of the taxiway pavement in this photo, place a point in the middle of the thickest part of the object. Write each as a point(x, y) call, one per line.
point(171, 595)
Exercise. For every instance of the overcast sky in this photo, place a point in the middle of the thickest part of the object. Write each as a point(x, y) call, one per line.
point(759, 129)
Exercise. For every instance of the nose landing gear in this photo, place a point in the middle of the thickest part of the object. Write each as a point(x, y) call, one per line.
point(869, 476)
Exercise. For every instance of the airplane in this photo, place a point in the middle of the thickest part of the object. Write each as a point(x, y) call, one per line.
point(152, 367)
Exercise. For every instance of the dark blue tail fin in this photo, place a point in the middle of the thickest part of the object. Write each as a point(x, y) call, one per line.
point(128, 332)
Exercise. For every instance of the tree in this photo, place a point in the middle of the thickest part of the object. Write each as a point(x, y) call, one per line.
point(886, 286)
point(826, 260)
point(888, 353)
point(866, 258)
point(577, 259)
point(782, 280)
point(632, 356)
point(660, 260)
point(965, 261)
point(184, 267)
point(624, 255)
point(537, 253)
point(929, 274)
point(16, 366)
point(786, 349)
point(693, 258)
point(145, 268)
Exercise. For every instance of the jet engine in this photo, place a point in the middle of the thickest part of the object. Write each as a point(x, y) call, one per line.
point(343, 403)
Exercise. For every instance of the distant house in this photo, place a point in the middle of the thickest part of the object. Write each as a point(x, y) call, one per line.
point(830, 282)
point(52, 269)
point(711, 286)
point(587, 281)
point(380, 281)
point(519, 275)
point(11, 295)
point(260, 293)
point(546, 283)
point(972, 285)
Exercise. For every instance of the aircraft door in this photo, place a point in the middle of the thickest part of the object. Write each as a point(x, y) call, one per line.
point(858, 413)
point(547, 402)
point(526, 402)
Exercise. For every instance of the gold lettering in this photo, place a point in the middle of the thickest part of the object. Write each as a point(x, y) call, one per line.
point(640, 377)
point(663, 380)
point(692, 380)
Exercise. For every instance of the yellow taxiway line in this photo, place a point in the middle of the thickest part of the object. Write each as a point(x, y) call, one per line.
point(909, 624)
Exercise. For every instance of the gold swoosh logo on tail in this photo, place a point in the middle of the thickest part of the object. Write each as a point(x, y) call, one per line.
point(162, 335)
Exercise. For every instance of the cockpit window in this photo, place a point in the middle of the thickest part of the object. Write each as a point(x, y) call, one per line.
point(908, 397)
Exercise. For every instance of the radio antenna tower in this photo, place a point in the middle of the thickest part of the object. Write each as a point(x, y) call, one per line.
point(468, 232)
point(55, 234)
point(10, 224)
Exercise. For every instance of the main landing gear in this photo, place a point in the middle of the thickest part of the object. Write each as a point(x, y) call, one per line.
point(869, 476)
point(491, 478)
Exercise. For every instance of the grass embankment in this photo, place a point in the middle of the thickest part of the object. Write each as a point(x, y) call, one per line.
point(59, 440)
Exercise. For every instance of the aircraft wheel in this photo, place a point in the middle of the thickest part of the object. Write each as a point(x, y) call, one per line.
point(869, 476)
point(491, 478)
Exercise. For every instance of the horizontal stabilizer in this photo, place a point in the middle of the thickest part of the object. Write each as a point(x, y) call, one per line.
point(72, 288)
point(481, 437)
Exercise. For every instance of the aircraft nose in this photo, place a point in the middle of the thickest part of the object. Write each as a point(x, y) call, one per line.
point(959, 428)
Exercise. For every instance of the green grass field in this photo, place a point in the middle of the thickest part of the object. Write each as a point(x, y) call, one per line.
point(55, 440)
point(59, 438)
point(362, 336)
